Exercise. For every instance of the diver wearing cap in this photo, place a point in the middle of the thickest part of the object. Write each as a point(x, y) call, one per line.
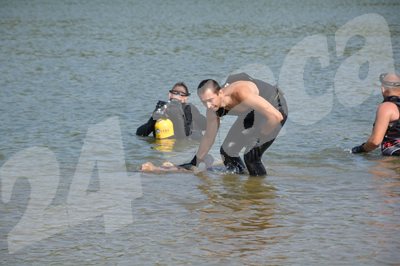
point(176, 118)
point(386, 129)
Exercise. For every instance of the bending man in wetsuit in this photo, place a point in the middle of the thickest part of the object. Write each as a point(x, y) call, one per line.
point(261, 112)
point(186, 118)
point(386, 129)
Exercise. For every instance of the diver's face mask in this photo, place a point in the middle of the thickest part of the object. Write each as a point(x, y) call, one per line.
point(178, 95)
point(388, 84)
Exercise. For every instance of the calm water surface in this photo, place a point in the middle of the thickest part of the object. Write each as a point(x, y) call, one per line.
point(69, 67)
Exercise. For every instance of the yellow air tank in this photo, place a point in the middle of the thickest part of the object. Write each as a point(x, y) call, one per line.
point(164, 128)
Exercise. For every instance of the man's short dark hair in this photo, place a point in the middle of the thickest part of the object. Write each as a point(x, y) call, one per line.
point(214, 85)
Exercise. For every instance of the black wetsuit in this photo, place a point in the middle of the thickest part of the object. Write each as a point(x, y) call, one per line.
point(246, 130)
point(391, 142)
point(186, 118)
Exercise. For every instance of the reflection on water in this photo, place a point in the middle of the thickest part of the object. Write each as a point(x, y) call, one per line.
point(387, 177)
point(387, 167)
point(386, 218)
point(238, 217)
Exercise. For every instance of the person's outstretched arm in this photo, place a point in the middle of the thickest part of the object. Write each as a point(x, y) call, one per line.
point(209, 136)
point(145, 129)
point(273, 117)
point(385, 113)
point(206, 141)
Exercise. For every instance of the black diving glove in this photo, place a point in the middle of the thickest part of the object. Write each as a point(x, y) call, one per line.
point(358, 149)
point(189, 166)
point(159, 111)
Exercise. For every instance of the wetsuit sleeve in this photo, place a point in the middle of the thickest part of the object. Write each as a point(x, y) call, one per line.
point(147, 128)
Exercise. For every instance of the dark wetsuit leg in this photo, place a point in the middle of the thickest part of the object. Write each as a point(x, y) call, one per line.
point(252, 159)
point(233, 164)
point(234, 142)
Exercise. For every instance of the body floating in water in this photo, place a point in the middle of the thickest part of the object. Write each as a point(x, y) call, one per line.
point(167, 166)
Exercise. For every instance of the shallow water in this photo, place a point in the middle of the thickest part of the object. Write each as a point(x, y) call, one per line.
point(77, 79)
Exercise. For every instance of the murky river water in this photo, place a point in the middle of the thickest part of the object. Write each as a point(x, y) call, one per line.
point(77, 79)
